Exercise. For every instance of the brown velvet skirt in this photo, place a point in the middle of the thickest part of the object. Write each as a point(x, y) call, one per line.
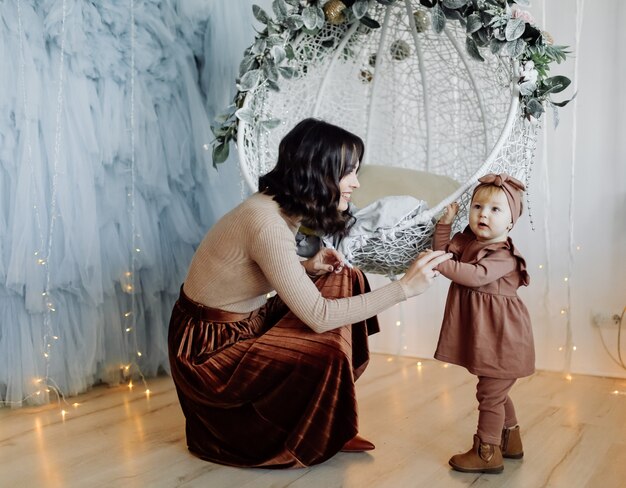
point(263, 389)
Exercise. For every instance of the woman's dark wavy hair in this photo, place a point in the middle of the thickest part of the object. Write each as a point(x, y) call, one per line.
point(312, 158)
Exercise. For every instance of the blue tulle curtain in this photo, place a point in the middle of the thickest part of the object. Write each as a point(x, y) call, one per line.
point(106, 183)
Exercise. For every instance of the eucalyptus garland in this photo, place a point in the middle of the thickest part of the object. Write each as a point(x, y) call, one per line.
point(500, 26)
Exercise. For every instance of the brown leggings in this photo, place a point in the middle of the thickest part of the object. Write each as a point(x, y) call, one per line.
point(495, 408)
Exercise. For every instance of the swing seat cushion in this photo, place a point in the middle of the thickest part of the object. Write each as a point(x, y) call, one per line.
point(382, 181)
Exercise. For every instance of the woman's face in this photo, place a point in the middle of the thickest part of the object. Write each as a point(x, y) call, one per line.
point(347, 184)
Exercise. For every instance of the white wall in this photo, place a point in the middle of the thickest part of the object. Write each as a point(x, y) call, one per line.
point(578, 200)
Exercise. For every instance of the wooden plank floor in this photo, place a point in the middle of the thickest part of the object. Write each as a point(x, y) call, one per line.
point(574, 435)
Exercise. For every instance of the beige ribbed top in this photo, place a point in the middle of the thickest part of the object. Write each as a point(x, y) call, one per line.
point(251, 251)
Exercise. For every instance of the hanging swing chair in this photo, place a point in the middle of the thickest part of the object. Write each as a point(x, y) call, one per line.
point(434, 110)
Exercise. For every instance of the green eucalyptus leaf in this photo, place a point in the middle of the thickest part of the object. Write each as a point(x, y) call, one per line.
point(514, 29)
point(454, 4)
point(222, 118)
point(279, 54)
point(360, 8)
point(495, 46)
point(515, 48)
point(452, 14)
point(270, 71)
point(556, 84)
point(428, 3)
point(220, 153)
point(270, 123)
point(247, 63)
point(482, 37)
point(293, 3)
point(289, 51)
point(472, 49)
point(522, 3)
point(527, 88)
point(273, 86)
point(259, 46)
point(287, 72)
point(309, 17)
point(260, 15)
point(245, 115)
point(438, 19)
point(564, 102)
point(274, 40)
point(474, 23)
point(294, 22)
point(281, 10)
point(250, 80)
point(534, 107)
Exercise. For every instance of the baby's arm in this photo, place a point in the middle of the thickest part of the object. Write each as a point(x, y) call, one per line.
point(490, 268)
point(444, 226)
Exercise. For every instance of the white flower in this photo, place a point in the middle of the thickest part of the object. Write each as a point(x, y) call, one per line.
point(529, 73)
point(518, 13)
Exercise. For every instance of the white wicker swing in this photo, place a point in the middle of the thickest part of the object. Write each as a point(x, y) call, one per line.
point(417, 99)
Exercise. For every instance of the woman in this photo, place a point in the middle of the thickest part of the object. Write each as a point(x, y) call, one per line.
point(270, 382)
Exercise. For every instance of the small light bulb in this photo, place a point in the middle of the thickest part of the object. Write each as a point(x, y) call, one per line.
point(75, 405)
point(541, 266)
point(130, 385)
point(563, 311)
point(206, 147)
point(419, 364)
point(398, 323)
point(574, 348)
point(128, 314)
point(389, 359)
point(138, 353)
point(63, 414)
point(568, 377)
point(128, 329)
point(566, 279)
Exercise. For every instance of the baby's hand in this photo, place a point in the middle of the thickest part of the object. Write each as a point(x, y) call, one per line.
point(449, 213)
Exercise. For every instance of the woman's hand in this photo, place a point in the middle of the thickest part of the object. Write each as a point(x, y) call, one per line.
point(325, 261)
point(423, 271)
point(449, 213)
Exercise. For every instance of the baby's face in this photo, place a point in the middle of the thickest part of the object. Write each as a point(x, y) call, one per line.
point(490, 215)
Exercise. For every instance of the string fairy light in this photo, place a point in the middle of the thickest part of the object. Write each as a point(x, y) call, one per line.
point(45, 384)
point(130, 277)
point(580, 4)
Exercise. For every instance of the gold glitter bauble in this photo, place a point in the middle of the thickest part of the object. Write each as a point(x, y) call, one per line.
point(366, 76)
point(334, 12)
point(422, 22)
point(547, 38)
point(400, 50)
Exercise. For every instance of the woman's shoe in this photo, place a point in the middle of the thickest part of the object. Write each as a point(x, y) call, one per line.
point(357, 444)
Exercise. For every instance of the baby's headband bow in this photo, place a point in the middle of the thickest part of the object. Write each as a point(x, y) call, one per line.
point(512, 188)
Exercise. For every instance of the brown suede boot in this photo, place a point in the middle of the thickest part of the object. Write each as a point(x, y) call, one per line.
point(481, 458)
point(511, 444)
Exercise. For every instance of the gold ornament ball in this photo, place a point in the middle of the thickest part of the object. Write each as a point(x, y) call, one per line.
point(334, 11)
point(400, 50)
point(422, 22)
point(366, 76)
